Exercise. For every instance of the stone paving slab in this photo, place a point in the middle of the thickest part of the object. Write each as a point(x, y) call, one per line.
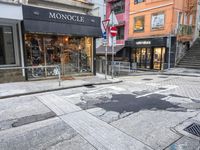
point(153, 127)
point(22, 110)
point(51, 134)
point(58, 105)
point(185, 143)
point(100, 134)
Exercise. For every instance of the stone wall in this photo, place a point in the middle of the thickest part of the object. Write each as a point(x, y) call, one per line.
point(11, 76)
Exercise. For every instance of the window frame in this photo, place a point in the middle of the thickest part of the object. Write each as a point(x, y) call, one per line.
point(122, 6)
point(134, 21)
point(138, 2)
point(120, 37)
point(161, 27)
point(15, 38)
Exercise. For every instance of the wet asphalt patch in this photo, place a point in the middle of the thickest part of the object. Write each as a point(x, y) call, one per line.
point(129, 103)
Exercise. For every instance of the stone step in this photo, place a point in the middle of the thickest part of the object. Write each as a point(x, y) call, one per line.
point(187, 66)
point(190, 64)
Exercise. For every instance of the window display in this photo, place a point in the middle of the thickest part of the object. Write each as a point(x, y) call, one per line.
point(73, 54)
point(158, 20)
point(139, 23)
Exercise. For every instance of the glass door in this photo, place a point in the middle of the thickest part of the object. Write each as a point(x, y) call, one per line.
point(143, 57)
point(148, 60)
point(158, 58)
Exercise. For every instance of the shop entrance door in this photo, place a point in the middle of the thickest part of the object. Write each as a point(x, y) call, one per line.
point(143, 57)
point(158, 58)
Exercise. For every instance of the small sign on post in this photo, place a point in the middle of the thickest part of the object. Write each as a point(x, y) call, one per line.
point(113, 31)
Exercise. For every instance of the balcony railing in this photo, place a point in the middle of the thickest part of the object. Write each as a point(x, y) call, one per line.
point(185, 30)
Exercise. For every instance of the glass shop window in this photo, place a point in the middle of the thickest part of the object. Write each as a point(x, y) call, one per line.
point(138, 1)
point(120, 33)
point(7, 54)
point(139, 24)
point(118, 6)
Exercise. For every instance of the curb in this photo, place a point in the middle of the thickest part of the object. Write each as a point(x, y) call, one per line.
point(58, 89)
point(175, 74)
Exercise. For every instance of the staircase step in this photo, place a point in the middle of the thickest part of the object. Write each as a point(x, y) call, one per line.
point(191, 67)
point(189, 64)
point(190, 61)
point(192, 57)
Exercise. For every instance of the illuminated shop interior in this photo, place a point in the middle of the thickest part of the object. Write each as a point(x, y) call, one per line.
point(73, 54)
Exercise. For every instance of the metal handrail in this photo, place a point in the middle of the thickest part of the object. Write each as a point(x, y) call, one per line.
point(33, 67)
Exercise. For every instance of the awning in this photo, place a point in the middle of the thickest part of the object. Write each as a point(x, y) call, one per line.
point(101, 49)
point(36, 26)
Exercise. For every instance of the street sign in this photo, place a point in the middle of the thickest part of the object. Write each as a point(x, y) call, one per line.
point(113, 19)
point(104, 35)
point(113, 31)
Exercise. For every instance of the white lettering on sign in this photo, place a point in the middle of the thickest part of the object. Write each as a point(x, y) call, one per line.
point(59, 16)
point(143, 43)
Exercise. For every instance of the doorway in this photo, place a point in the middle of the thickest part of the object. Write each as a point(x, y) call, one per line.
point(143, 57)
point(158, 58)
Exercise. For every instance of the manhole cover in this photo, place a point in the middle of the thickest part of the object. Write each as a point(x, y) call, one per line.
point(147, 79)
point(193, 129)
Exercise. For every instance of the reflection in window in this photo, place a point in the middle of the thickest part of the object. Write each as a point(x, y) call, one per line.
point(7, 55)
point(138, 1)
point(120, 33)
point(139, 24)
point(157, 20)
point(118, 6)
point(74, 54)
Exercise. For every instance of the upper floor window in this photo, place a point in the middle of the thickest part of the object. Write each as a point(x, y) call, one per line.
point(120, 33)
point(138, 1)
point(118, 6)
point(158, 20)
point(139, 24)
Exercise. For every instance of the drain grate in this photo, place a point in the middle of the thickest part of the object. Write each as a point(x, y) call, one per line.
point(193, 129)
point(89, 86)
point(147, 79)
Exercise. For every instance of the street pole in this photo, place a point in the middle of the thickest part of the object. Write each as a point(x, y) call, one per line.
point(169, 53)
point(112, 58)
point(112, 49)
point(106, 55)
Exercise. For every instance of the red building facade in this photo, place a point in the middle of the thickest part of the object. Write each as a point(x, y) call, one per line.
point(121, 10)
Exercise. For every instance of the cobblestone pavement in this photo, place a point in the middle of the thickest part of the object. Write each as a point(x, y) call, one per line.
point(141, 113)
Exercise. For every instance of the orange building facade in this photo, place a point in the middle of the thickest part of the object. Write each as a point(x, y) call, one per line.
point(159, 30)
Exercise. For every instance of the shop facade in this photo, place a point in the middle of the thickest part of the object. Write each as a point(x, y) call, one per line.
point(60, 38)
point(152, 53)
point(11, 46)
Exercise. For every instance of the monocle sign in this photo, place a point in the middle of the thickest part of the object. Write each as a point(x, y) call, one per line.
point(143, 42)
point(50, 15)
point(67, 17)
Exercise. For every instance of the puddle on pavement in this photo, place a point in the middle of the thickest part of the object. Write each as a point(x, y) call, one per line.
point(129, 103)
